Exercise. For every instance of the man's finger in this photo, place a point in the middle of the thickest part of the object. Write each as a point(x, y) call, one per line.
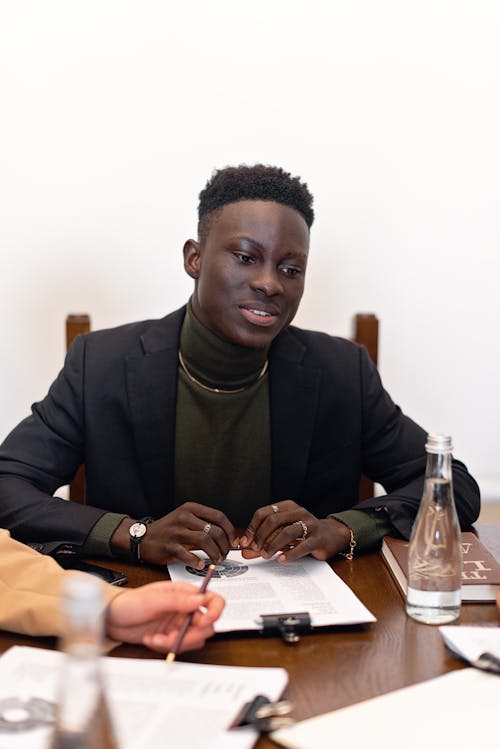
point(250, 554)
point(208, 515)
point(298, 551)
point(192, 560)
point(214, 542)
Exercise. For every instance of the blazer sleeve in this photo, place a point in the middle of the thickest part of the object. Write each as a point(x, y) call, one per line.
point(42, 454)
point(30, 584)
point(393, 455)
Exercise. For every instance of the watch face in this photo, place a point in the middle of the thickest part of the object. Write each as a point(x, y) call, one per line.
point(138, 530)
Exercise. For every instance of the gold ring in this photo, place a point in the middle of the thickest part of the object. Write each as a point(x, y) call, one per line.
point(304, 530)
point(207, 527)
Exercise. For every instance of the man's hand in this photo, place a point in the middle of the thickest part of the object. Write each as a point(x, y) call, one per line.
point(290, 529)
point(174, 536)
point(153, 614)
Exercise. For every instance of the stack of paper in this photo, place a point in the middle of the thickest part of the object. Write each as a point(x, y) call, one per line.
point(459, 709)
point(471, 643)
point(253, 587)
point(180, 705)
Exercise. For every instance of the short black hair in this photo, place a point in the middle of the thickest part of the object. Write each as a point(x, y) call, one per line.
point(258, 182)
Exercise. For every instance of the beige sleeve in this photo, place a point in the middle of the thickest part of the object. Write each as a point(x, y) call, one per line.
point(29, 589)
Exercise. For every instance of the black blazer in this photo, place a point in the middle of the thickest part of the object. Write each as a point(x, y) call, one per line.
point(113, 407)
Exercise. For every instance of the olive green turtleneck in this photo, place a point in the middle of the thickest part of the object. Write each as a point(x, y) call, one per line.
point(222, 439)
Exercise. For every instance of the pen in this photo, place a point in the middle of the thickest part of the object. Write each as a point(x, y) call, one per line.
point(189, 618)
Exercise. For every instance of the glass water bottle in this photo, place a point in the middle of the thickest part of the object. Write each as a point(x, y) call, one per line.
point(435, 549)
point(82, 716)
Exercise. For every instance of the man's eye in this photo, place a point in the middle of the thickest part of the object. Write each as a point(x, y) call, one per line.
point(290, 270)
point(243, 258)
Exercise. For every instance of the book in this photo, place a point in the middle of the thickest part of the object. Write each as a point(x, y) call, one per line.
point(480, 574)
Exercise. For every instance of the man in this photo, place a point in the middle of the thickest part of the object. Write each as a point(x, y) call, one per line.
point(222, 416)
point(152, 615)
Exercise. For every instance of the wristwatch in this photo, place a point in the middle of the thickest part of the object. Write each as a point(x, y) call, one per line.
point(137, 531)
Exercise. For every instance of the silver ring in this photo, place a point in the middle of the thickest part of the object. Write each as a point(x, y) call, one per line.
point(207, 527)
point(304, 530)
point(275, 508)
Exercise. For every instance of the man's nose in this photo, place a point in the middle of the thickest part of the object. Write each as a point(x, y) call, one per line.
point(267, 281)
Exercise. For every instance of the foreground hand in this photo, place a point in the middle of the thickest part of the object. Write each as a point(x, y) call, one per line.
point(174, 536)
point(154, 613)
point(290, 529)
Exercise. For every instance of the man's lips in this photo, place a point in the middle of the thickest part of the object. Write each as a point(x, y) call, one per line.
point(258, 316)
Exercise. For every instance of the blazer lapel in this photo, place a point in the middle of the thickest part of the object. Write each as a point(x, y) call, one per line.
point(152, 392)
point(294, 393)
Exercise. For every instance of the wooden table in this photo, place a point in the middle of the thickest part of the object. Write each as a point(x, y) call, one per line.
point(328, 670)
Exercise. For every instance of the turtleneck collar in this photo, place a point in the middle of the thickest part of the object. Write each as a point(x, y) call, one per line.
point(215, 362)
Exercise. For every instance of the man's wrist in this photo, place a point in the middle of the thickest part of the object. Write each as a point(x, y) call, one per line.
point(343, 531)
point(348, 553)
point(137, 532)
point(120, 540)
point(97, 543)
point(368, 526)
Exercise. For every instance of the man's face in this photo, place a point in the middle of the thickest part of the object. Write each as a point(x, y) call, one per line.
point(249, 271)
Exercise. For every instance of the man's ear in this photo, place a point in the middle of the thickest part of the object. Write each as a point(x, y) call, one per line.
point(192, 258)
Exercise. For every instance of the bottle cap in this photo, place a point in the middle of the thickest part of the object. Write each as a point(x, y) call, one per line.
point(439, 443)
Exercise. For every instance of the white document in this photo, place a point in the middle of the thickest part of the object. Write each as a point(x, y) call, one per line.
point(457, 710)
point(253, 587)
point(472, 642)
point(179, 705)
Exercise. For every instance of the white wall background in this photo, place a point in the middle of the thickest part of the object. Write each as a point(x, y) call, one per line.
point(114, 113)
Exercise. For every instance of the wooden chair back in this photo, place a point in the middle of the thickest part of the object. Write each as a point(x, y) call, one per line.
point(77, 325)
point(365, 332)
